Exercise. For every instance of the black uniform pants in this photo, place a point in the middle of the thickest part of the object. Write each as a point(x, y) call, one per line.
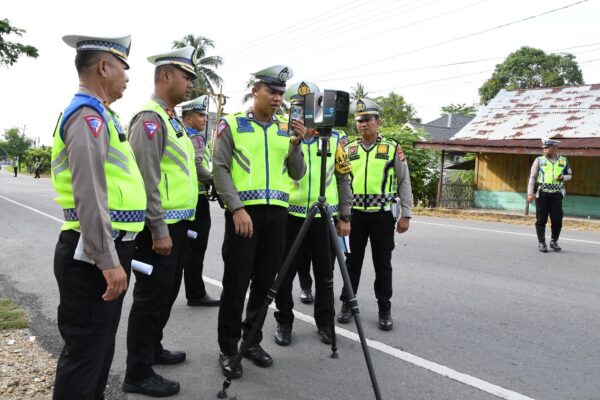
point(87, 323)
point(548, 204)
point(304, 276)
point(153, 298)
point(257, 259)
point(315, 247)
point(194, 250)
point(379, 228)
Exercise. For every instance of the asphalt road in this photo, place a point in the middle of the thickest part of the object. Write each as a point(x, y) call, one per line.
point(479, 314)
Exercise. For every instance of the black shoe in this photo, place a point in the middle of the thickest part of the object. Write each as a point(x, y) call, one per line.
point(225, 363)
point(167, 357)
point(283, 334)
point(258, 356)
point(325, 334)
point(154, 385)
point(205, 301)
point(554, 245)
point(345, 314)
point(306, 296)
point(385, 321)
point(542, 247)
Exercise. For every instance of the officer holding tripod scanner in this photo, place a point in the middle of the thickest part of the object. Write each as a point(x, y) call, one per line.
point(316, 245)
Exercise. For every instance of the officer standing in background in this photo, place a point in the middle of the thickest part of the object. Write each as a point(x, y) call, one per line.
point(37, 165)
point(253, 159)
point(165, 156)
point(195, 118)
point(316, 245)
point(102, 195)
point(16, 165)
point(379, 177)
point(546, 187)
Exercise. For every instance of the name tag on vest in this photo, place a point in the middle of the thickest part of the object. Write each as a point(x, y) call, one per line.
point(176, 126)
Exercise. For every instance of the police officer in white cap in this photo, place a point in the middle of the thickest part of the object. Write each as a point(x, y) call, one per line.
point(253, 159)
point(102, 194)
point(315, 247)
point(546, 186)
point(165, 156)
point(195, 118)
point(381, 185)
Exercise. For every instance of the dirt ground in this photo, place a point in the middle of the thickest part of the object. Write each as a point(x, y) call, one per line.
point(580, 224)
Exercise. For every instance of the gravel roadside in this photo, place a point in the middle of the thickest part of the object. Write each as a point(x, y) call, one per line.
point(37, 357)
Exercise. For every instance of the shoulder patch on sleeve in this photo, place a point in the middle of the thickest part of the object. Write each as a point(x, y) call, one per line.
point(150, 127)
point(95, 123)
point(400, 153)
point(222, 125)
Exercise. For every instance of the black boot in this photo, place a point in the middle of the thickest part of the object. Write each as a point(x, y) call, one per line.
point(345, 314)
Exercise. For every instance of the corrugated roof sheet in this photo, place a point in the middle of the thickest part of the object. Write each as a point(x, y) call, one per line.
point(583, 146)
point(438, 129)
point(564, 112)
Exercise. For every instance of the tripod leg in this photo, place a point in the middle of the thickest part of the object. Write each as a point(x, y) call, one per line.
point(222, 394)
point(353, 303)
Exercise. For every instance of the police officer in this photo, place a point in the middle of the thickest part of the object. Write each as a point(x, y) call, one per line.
point(252, 158)
point(381, 185)
point(316, 245)
point(165, 156)
point(37, 165)
point(102, 195)
point(195, 118)
point(546, 187)
point(16, 165)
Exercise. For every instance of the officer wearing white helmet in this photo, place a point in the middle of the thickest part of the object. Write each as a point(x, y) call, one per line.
point(195, 118)
point(165, 156)
point(546, 186)
point(102, 194)
point(381, 186)
point(253, 160)
point(315, 247)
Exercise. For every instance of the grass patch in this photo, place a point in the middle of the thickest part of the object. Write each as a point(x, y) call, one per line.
point(11, 316)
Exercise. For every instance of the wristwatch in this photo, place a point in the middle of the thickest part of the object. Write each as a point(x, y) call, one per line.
point(346, 217)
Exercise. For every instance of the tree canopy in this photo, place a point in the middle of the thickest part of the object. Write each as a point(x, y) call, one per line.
point(530, 68)
point(459, 109)
point(15, 143)
point(11, 51)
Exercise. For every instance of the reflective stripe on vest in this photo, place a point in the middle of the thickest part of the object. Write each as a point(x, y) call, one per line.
point(305, 192)
point(259, 158)
point(178, 186)
point(374, 182)
point(126, 193)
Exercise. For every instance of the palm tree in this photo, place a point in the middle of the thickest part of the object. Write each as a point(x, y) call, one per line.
point(358, 91)
point(208, 80)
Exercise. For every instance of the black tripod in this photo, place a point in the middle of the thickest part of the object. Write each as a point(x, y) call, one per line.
point(322, 207)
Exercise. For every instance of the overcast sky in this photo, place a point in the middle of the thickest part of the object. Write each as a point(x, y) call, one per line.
point(405, 46)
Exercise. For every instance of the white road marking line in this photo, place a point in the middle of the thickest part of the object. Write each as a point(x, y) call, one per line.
point(32, 209)
point(498, 231)
point(410, 358)
point(374, 344)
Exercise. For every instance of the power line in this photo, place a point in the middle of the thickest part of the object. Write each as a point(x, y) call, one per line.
point(337, 29)
point(283, 31)
point(460, 37)
point(457, 63)
point(362, 39)
point(310, 24)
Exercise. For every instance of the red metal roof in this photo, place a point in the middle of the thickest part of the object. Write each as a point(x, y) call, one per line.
point(581, 147)
point(562, 112)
